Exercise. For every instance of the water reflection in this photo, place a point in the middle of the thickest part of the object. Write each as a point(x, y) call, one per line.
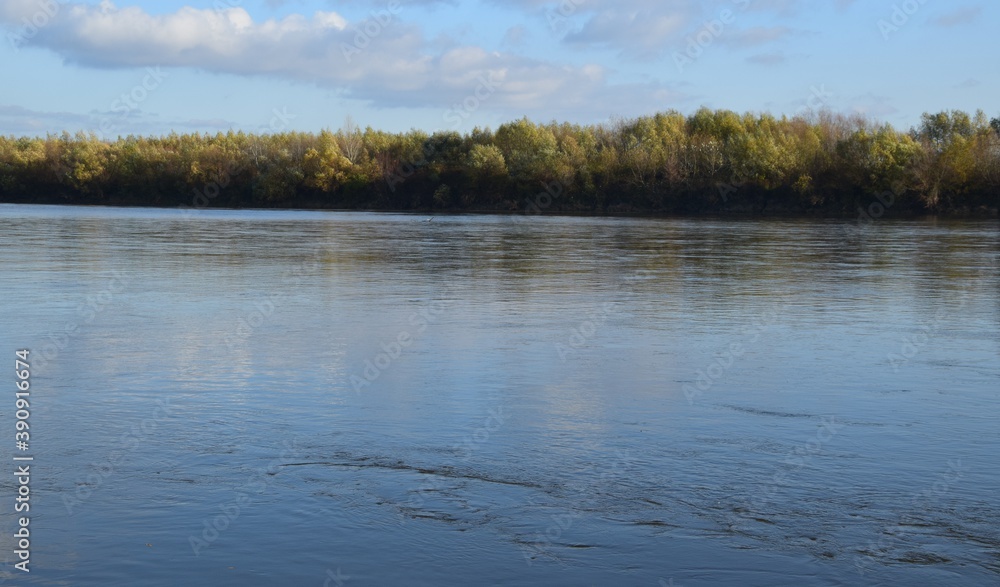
point(537, 410)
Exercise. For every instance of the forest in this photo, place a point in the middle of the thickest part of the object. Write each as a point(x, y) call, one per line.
point(708, 162)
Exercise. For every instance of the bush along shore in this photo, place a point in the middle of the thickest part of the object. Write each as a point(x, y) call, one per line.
point(710, 162)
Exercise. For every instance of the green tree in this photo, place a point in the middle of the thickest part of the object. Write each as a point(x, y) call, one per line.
point(528, 149)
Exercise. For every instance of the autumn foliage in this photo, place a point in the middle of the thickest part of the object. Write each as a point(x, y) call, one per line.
point(707, 162)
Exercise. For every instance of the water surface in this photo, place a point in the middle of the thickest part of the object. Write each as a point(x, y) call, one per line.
point(299, 398)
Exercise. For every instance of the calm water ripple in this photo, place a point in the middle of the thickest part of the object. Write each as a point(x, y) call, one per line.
point(300, 398)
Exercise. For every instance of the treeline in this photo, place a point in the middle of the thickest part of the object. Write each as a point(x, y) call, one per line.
point(708, 162)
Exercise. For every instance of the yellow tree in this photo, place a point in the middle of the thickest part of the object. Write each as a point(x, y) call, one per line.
point(85, 160)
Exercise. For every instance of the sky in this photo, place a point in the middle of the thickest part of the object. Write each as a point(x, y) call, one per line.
point(145, 67)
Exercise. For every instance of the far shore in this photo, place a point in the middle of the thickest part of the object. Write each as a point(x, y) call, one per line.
point(860, 215)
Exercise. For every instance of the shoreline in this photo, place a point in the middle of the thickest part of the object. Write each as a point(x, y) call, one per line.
point(988, 214)
point(710, 163)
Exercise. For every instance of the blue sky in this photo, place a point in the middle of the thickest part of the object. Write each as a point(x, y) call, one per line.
point(143, 67)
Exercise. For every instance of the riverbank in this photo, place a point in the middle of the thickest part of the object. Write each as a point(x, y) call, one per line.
point(711, 162)
point(873, 211)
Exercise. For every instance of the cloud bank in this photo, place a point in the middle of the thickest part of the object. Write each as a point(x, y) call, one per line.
point(382, 60)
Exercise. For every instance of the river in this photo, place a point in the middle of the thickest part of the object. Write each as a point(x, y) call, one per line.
point(317, 398)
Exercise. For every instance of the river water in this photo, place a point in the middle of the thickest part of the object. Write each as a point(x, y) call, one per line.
point(304, 398)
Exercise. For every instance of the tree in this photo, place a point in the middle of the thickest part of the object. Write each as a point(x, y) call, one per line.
point(351, 142)
point(487, 161)
point(944, 127)
point(664, 162)
point(323, 164)
point(528, 149)
point(85, 161)
point(877, 160)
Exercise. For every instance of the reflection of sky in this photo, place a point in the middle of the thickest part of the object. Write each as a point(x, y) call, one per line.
point(681, 292)
point(194, 284)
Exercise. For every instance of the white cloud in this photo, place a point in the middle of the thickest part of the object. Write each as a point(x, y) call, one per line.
point(646, 29)
point(515, 36)
point(637, 33)
point(386, 63)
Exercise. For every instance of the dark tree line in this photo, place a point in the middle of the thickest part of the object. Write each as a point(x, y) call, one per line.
point(708, 162)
